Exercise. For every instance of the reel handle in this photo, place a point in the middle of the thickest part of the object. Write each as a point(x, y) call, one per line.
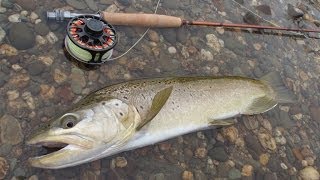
point(142, 20)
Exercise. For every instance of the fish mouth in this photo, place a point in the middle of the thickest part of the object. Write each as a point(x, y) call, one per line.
point(56, 149)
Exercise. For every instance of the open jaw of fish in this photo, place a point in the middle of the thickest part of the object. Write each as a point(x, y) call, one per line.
point(134, 114)
point(84, 134)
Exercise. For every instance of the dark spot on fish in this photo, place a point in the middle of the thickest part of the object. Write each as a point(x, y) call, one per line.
point(117, 104)
point(103, 103)
point(125, 97)
point(121, 114)
point(141, 107)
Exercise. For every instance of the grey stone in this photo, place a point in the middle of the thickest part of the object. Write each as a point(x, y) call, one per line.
point(264, 9)
point(250, 122)
point(41, 29)
point(13, 163)
point(125, 2)
point(92, 5)
point(270, 176)
point(2, 34)
point(158, 176)
point(234, 174)
point(315, 113)
point(78, 4)
point(173, 4)
point(183, 35)
point(11, 132)
point(274, 164)
point(3, 78)
point(29, 5)
point(294, 12)
point(3, 18)
point(19, 172)
point(223, 169)
point(21, 36)
point(250, 18)
point(285, 120)
point(170, 35)
point(252, 143)
point(5, 149)
point(218, 153)
point(36, 68)
point(257, 72)
point(237, 71)
point(7, 4)
point(34, 88)
point(199, 175)
point(240, 1)
point(290, 71)
point(78, 80)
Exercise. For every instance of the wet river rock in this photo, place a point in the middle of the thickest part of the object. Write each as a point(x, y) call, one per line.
point(41, 29)
point(10, 130)
point(218, 153)
point(21, 36)
point(4, 167)
point(29, 5)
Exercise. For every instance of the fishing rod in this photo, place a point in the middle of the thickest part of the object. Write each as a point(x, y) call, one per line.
point(161, 21)
point(91, 37)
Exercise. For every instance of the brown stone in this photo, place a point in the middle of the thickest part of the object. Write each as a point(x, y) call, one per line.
point(121, 162)
point(46, 91)
point(247, 170)
point(187, 175)
point(4, 167)
point(297, 154)
point(10, 130)
point(231, 134)
point(201, 152)
point(19, 80)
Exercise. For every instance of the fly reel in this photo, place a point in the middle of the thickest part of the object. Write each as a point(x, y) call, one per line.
point(90, 39)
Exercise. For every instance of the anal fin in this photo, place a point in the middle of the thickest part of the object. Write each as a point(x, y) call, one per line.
point(260, 105)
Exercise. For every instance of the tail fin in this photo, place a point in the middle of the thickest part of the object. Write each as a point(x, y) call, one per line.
point(283, 94)
point(267, 102)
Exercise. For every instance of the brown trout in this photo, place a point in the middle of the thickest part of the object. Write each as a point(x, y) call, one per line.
point(139, 113)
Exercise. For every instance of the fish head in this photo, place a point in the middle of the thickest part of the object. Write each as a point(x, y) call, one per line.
point(85, 133)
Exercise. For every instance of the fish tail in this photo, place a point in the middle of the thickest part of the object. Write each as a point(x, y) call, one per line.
point(279, 94)
point(283, 94)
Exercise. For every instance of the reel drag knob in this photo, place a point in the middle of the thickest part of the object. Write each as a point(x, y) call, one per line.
point(90, 39)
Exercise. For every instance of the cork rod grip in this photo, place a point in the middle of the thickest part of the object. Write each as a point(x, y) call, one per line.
point(144, 20)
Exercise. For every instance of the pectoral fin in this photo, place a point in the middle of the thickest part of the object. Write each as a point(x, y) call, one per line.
point(158, 102)
point(222, 122)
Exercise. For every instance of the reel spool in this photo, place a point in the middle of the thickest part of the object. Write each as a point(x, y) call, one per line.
point(90, 39)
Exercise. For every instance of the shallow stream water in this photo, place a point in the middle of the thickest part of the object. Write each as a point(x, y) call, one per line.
point(38, 80)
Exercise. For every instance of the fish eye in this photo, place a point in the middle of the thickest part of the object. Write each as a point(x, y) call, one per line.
point(69, 121)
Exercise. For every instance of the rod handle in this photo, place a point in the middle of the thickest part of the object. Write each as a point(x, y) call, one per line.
point(142, 20)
